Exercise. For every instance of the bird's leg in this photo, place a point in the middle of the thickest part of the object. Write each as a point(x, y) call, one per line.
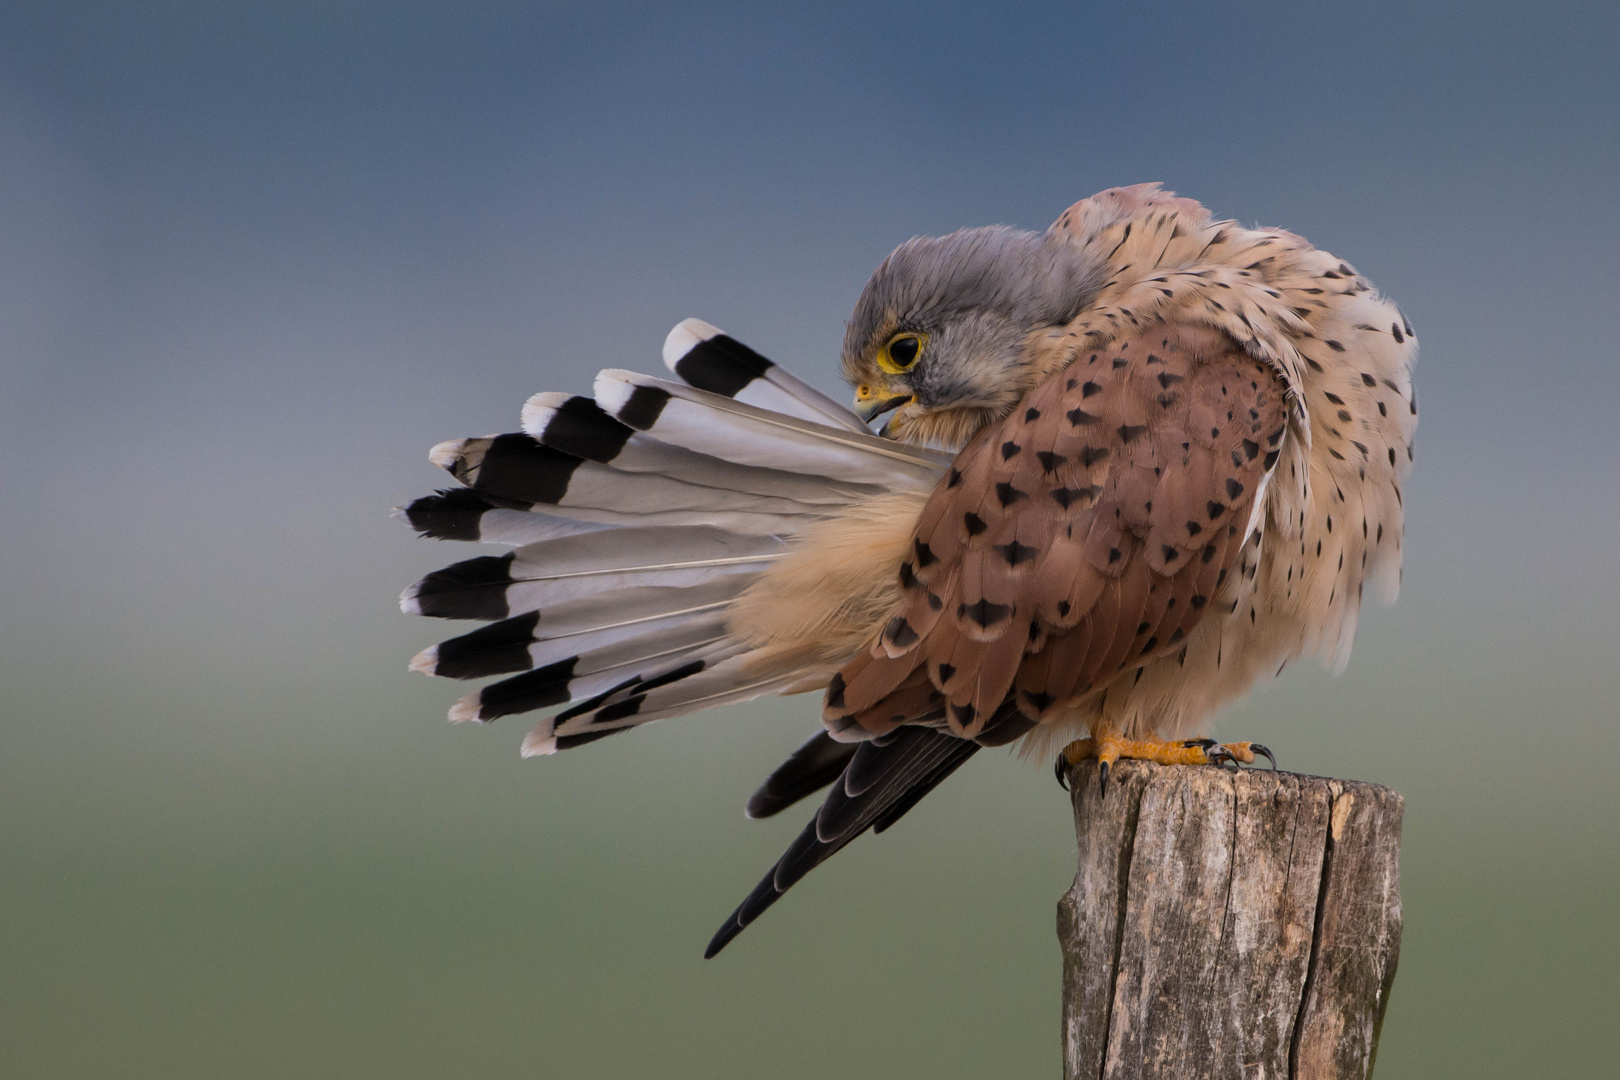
point(1108, 746)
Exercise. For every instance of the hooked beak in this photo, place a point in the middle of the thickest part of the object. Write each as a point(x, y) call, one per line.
point(870, 404)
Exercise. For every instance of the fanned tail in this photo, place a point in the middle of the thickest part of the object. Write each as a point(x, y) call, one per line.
point(635, 519)
point(588, 566)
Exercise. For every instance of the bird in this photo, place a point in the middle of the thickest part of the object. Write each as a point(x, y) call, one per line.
point(1096, 482)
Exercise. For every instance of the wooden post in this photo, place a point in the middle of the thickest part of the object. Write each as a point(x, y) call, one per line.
point(1243, 926)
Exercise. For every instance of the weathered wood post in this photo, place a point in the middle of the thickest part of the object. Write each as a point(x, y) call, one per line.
point(1243, 926)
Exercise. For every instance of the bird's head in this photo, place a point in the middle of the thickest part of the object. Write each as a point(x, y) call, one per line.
point(943, 338)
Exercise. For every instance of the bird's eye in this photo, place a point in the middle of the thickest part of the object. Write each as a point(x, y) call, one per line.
point(901, 352)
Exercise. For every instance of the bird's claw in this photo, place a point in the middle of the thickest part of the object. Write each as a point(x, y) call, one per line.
point(1061, 767)
point(1228, 756)
point(1231, 756)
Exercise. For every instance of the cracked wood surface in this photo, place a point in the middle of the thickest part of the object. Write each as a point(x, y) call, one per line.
point(1222, 925)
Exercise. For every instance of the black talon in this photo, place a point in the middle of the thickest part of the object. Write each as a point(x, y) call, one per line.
point(1221, 757)
point(1060, 772)
point(1263, 752)
point(1202, 744)
point(1102, 778)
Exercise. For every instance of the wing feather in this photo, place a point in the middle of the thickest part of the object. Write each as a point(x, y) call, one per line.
point(1067, 543)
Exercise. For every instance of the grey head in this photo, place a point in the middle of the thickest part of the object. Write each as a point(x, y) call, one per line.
point(940, 336)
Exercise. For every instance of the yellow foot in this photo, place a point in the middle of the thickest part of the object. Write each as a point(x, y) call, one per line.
point(1110, 747)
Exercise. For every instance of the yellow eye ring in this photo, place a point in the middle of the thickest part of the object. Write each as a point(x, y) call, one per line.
point(902, 351)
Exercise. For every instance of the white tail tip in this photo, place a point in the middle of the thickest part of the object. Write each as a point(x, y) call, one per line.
point(539, 409)
point(464, 710)
point(540, 742)
point(614, 386)
point(426, 660)
point(687, 335)
point(446, 454)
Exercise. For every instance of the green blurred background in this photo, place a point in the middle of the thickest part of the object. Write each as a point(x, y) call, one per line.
point(256, 258)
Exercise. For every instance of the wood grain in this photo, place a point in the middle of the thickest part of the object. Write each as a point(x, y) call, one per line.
point(1222, 925)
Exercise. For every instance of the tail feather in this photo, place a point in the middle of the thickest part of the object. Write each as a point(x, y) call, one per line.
point(578, 678)
point(705, 678)
point(706, 357)
point(520, 469)
point(578, 426)
point(635, 520)
point(720, 681)
point(572, 568)
point(720, 427)
point(520, 644)
point(627, 612)
point(463, 514)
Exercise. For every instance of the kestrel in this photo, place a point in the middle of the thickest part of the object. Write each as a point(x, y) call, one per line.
point(1128, 467)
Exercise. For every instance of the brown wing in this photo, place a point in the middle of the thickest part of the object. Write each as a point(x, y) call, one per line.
point(1080, 537)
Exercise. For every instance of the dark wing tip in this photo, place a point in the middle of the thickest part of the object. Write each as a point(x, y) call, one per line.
point(722, 937)
point(814, 765)
point(894, 771)
point(766, 893)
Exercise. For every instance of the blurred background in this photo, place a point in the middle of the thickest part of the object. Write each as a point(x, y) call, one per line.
point(255, 258)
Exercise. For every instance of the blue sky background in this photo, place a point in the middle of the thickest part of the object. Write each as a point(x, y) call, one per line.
point(256, 258)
